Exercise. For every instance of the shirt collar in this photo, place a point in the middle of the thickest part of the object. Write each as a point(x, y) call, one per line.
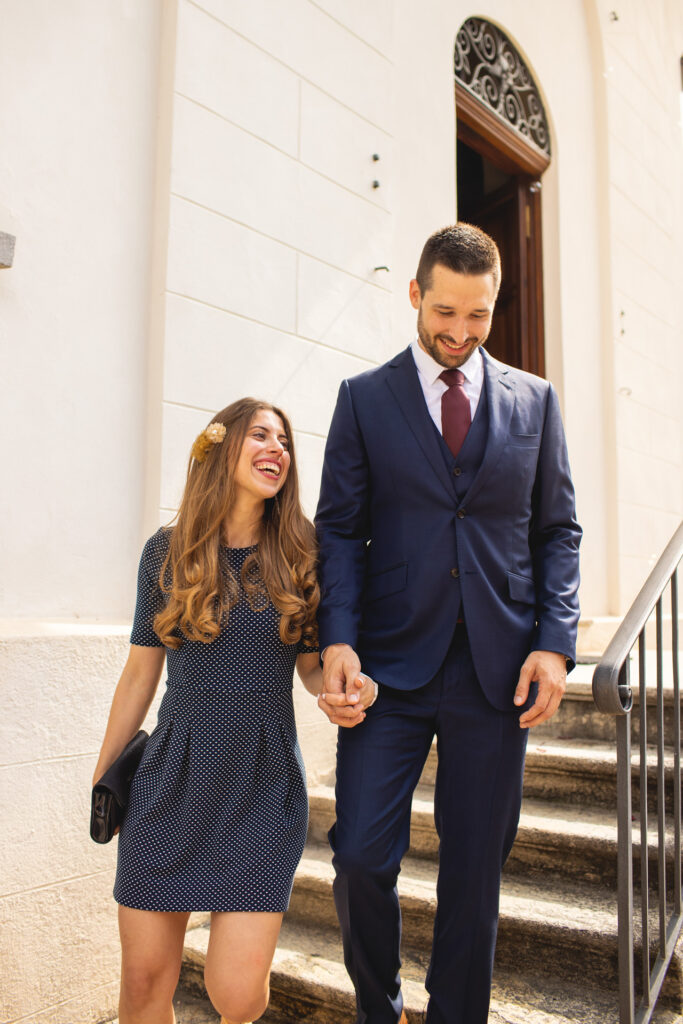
point(473, 369)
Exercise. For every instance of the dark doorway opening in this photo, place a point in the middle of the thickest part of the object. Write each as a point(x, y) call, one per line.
point(503, 149)
point(505, 202)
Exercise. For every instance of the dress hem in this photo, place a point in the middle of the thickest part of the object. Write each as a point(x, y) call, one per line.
point(205, 909)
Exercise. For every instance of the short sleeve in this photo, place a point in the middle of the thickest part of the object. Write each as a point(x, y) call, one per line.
point(150, 598)
point(305, 648)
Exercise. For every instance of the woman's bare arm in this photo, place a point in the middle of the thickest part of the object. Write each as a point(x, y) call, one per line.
point(310, 672)
point(132, 698)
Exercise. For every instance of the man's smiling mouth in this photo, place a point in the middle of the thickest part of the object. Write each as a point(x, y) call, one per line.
point(454, 345)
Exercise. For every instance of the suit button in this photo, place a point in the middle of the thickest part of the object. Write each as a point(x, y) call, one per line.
point(461, 513)
point(457, 471)
point(455, 573)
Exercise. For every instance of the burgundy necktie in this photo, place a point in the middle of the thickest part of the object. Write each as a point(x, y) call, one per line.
point(456, 415)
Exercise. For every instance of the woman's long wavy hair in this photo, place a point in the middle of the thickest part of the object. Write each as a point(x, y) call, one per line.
point(201, 589)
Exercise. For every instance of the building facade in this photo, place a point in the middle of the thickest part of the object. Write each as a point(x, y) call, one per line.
point(213, 198)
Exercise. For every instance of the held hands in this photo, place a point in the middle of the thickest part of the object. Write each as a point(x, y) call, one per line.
point(549, 669)
point(346, 691)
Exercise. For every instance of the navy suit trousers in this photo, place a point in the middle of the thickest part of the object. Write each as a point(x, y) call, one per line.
point(476, 807)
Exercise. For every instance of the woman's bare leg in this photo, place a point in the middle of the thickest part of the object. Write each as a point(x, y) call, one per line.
point(151, 954)
point(237, 971)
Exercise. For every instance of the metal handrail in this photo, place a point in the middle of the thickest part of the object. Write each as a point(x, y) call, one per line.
point(610, 693)
point(613, 695)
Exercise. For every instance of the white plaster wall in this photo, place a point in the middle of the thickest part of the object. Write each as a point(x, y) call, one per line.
point(59, 951)
point(274, 226)
point(77, 121)
point(641, 53)
point(77, 114)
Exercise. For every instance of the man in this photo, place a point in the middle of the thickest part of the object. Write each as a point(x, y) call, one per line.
point(449, 572)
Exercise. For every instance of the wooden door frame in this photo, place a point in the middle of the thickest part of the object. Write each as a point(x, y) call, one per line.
point(484, 132)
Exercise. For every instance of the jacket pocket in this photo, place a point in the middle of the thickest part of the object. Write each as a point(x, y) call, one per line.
point(523, 441)
point(521, 588)
point(386, 582)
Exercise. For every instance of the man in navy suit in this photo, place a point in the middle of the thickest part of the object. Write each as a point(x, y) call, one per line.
point(449, 574)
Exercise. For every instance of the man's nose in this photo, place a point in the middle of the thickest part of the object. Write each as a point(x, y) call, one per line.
point(459, 331)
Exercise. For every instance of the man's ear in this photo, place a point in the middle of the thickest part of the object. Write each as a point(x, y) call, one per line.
point(415, 294)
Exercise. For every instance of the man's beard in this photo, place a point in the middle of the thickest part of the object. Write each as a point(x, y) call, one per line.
point(449, 361)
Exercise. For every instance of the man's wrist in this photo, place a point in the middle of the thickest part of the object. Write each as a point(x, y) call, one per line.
point(374, 683)
point(330, 647)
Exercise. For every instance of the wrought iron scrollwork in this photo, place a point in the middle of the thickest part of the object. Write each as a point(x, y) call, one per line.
point(487, 64)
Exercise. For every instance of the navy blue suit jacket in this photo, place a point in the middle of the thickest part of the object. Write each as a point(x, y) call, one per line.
point(391, 531)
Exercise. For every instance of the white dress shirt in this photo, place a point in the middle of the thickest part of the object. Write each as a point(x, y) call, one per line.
point(428, 371)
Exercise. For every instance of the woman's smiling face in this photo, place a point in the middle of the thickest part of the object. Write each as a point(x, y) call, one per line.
point(264, 460)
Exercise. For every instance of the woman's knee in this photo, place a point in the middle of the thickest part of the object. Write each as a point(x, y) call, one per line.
point(237, 1004)
point(145, 983)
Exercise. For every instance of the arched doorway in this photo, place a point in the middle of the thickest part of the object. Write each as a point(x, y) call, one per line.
point(503, 149)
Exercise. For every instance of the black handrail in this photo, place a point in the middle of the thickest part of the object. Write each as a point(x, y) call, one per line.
point(613, 695)
point(611, 692)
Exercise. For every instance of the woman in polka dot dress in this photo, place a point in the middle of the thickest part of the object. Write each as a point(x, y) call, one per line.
point(218, 811)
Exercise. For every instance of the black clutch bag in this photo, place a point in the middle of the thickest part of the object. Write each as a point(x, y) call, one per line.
point(110, 794)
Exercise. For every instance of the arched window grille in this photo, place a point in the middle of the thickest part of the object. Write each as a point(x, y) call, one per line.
point(489, 66)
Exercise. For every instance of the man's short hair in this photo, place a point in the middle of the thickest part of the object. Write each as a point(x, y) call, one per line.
point(463, 248)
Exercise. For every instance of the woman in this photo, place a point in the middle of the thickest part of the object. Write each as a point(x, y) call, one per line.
point(218, 812)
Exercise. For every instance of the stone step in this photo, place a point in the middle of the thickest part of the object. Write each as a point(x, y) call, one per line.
point(308, 980)
point(190, 1008)
point(577, 771)
point(309, 984)
point(576, 842)
point(564, 922)
point(569, 926)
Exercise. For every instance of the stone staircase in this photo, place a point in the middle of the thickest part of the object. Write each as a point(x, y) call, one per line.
point(556, 958)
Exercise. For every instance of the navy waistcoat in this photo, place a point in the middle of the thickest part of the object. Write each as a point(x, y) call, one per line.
point(464, 469)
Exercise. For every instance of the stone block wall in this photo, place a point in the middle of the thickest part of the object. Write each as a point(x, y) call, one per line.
point(59, 951)
point(274, 225)
point(642, 72)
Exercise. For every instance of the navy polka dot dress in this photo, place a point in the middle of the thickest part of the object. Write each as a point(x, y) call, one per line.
point(218, 810)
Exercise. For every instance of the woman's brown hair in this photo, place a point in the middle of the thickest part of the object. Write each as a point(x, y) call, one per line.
point(201, 590)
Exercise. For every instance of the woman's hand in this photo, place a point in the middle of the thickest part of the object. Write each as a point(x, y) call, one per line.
point(367, 690)
point(348, 708)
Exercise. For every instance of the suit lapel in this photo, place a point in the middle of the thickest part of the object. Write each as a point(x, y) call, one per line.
point(501, 399)
point(405, 386)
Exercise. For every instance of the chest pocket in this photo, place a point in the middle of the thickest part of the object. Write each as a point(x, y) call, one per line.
point(523, 441)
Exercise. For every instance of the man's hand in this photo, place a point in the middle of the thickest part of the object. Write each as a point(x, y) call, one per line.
point(549, 669)
point(342, 683)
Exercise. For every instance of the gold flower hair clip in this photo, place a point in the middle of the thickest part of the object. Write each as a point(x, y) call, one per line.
point(214, 434)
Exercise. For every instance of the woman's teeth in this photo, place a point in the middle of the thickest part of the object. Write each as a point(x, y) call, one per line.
point(269, 468)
